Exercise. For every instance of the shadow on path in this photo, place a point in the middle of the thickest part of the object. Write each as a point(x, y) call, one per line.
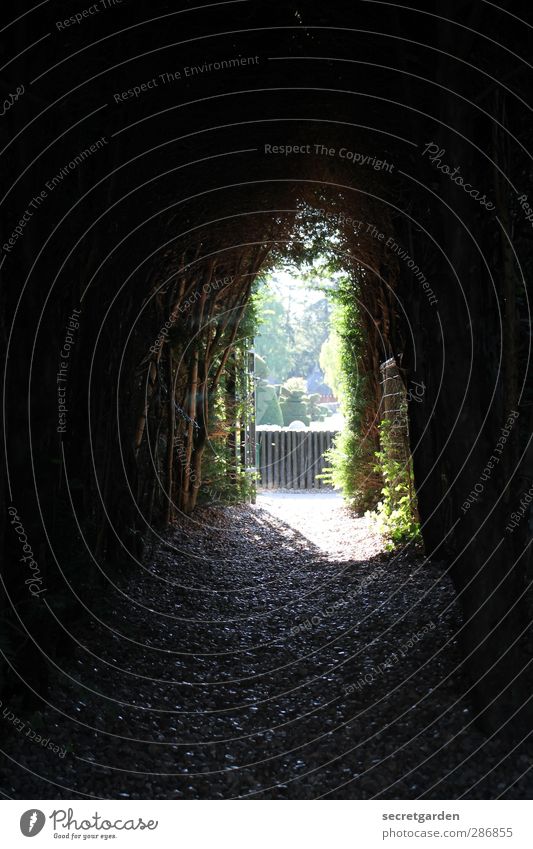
point(244, 661)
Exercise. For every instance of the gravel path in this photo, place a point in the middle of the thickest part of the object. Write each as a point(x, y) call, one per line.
point(321, 517)
point(245, 661)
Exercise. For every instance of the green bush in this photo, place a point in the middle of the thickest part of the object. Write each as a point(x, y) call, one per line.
point(315, 410)
point(268, 410)
point(351, 467)
point(396, 515)
point(293, 401)
point(224, 481)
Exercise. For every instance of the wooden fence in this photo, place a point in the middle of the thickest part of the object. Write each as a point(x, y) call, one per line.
point(291, 459)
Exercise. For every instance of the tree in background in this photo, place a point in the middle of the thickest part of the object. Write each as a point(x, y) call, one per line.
point(330, 360)
point(274, 341)
point(311, 329)
point(290, 336)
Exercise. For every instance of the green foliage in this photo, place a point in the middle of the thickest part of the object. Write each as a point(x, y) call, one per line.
point(294, 401)
point(310, 332)
point(273, 334)
point(351, 462)
point(296, 405)
point(317, 412)
point(396, 514)
point(385, 487)
point(268, 410)
point(260, 367)
point(224, 481)
point(294, 386)
point(225, 476)
point(290, 333)
point(351, 468)
point(330, 360)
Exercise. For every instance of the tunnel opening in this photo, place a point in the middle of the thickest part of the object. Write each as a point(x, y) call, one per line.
point(297, 413)
point(204, 346)
point(324, 419)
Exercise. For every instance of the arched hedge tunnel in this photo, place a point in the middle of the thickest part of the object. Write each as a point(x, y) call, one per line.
point(148, 268)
